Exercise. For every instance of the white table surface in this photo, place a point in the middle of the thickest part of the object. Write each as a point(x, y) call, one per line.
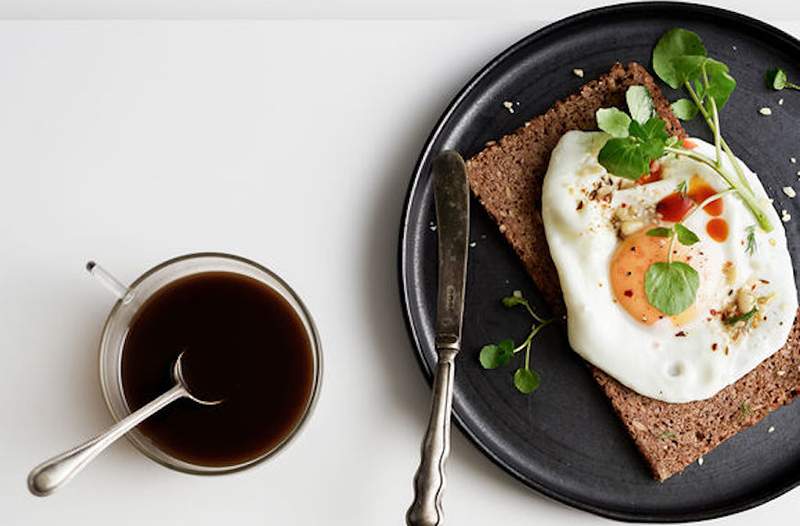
point(287, 142)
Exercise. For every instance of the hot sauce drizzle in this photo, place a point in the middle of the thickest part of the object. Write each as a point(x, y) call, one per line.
point(717, 229)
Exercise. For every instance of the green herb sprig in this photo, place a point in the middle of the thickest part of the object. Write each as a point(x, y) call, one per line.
point(492, 356)
point(680, 59)
point(778, 80)
point(752, 244)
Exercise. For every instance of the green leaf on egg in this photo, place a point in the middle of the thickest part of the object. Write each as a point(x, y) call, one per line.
point(686, 236)
point(613, 121)
point(659, 232)
point(671, 287)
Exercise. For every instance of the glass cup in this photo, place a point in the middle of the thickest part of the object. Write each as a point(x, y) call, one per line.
point(131, 300)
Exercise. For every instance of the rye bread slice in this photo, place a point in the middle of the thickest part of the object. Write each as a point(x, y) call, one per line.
point(507, 179)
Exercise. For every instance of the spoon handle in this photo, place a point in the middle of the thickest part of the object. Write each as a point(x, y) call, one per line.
point(52, 474)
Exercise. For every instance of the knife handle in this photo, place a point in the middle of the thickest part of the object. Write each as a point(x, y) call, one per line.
point(426, 510)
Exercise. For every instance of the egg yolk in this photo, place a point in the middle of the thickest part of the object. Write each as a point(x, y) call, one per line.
point(629, 264)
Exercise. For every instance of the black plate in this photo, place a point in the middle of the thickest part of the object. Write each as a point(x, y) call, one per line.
point(564, 441)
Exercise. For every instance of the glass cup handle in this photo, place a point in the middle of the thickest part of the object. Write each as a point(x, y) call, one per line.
point(111, 283)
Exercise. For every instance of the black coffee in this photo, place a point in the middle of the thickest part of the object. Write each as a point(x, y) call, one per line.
point(243, 343)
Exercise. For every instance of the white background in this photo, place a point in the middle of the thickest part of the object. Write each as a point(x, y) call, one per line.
point(287, 142)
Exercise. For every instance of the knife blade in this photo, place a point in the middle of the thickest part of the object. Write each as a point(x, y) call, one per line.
point(451, 197)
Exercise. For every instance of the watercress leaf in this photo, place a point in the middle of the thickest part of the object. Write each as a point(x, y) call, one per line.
point(659, 232)
point(776, 79)
point(513, 301)
point(507, 346)
point(653, 136)
point(671, 287)
point(640, 103)
point(613, 121)
point(624, 157)
point(526, 381)
point(688, 68)
point(494, 356)
point(684, 109)
point(720, 82)
point(673, 44)
point(686, 236)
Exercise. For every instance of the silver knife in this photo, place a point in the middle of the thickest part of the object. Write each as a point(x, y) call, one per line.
point(451, 195)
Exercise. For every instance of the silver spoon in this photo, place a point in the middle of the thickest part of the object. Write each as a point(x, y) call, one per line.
point(54, 473)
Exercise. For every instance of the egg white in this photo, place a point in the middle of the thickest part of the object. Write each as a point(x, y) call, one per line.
point(651, 359)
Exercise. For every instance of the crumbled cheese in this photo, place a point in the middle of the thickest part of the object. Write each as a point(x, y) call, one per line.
point(509, 106)
point(432, 226)
point(785, 216)
point(472, 244)
point(789, 191)
point(700, 461)
point(578, 72)
point(792, 160)
point(765, 111)
point(771, 429)
point(780, 102)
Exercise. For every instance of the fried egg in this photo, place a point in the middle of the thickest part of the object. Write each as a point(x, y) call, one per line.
point(597, 228)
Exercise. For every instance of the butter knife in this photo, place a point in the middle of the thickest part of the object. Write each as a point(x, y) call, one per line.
point(451, 196)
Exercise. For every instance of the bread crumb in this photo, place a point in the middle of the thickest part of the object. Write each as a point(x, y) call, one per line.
point(765, 111)
point(509, 106)
point(789, 191)
point(771, 429)
point(700, 461)
point(785, 216)
point(578, 72)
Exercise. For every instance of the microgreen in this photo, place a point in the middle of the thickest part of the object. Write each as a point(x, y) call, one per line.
point(630, 156)
point(492, 356)
point(671, 286)
point(682, 188)
point(640, 104)
point(675, 43)
point(745, 317)
point(684, 109)
point(660, 232)
point(613, 121)
point(526, 380)
point(686, 236)
point(752, 244)
point(777, 79)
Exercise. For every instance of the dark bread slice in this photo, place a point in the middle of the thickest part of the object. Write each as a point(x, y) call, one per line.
point(507, 178)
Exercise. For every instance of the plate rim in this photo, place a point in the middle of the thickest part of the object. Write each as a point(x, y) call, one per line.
point(410, 317)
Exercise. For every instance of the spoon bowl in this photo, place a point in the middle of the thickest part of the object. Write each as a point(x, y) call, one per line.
point(51, 474)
